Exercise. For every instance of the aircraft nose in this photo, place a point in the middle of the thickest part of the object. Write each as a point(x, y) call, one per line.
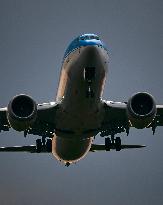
point(91, 53)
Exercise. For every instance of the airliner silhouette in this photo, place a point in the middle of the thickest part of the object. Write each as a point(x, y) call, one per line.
point(68, 126)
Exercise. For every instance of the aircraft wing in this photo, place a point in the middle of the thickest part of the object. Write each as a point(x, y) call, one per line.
point(159, 116)
point(44, 124)
point(116, 118)
point(4, 125)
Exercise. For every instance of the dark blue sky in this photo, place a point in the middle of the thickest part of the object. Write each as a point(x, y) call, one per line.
point(33, 37)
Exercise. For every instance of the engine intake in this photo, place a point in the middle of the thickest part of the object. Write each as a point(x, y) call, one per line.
point(22, 112)
point(141, 109)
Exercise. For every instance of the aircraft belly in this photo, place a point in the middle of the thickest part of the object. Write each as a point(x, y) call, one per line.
point(79, 124)
point(70, 150)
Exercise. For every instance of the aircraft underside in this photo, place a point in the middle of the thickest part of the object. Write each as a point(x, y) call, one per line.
point(68, 126)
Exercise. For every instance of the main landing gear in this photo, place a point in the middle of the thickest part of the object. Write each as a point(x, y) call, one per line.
point(113, 143)
point(43, 145)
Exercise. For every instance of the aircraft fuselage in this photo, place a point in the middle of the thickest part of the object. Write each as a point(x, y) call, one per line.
point(81, 85)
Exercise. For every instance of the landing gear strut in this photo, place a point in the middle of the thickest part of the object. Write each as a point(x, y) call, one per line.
point(38, 145)
point(108, 144)
point(113, 143)
point(89, 92)
point(43, 145)
point(118, 143)
point(49, 145)
point(89, 76)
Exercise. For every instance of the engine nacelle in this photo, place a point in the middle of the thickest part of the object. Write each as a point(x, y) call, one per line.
point(21, 112)
point(141, 110)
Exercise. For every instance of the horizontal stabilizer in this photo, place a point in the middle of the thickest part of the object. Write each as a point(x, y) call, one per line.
point(30, 148)
point(94, 147)
point(101, 147)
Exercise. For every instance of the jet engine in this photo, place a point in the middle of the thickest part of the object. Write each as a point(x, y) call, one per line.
point(141, 110)
point(21, 112)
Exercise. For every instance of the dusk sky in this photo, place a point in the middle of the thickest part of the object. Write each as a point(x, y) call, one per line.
point(34, 35)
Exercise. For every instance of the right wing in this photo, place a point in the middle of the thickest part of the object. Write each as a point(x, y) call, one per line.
point(44, 124)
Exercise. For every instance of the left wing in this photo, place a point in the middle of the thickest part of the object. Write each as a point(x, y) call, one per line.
point(116, 118)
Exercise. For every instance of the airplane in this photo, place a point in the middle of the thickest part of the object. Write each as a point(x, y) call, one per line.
point(68, 126)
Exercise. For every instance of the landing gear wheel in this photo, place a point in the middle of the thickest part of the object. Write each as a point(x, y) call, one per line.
point(118, 143)
point(67, 164)
point(38, 145)
point(107, 144)
point(49, 145)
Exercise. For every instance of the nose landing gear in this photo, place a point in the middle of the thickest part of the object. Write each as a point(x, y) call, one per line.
point(89, 92)
point(89, 74)
point(89, 77)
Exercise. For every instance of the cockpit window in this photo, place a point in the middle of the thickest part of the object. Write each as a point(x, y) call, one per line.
point(92, 37)
point(88, 37)
point(97, 38)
